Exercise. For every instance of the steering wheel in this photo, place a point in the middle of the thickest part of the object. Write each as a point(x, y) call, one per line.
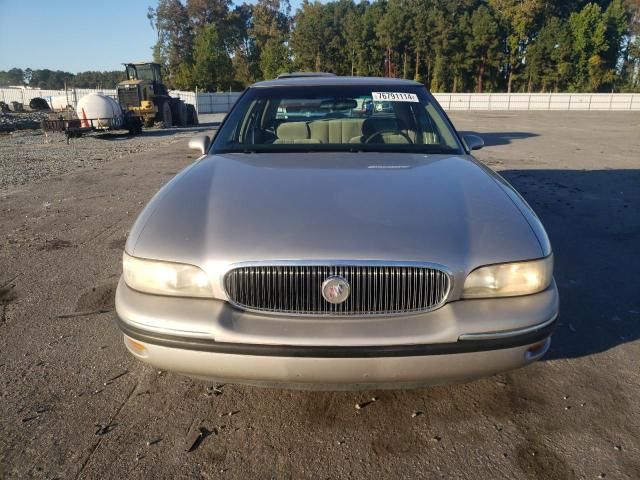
point(382, 132)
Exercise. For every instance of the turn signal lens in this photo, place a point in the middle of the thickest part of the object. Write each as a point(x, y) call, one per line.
point(137, 346)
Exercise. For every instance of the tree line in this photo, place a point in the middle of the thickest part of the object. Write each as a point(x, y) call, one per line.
point(449, 45)
point(454, 46)
point(57, 79)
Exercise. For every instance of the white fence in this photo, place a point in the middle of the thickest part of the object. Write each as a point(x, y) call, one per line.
point(539, 101)
point(206, 102)
point(209, 102)
point(56, 98)
point(222, 102)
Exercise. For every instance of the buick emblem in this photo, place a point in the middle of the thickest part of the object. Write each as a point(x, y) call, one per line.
point(335, 289)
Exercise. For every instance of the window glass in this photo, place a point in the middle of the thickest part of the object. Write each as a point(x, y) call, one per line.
point(367, 118)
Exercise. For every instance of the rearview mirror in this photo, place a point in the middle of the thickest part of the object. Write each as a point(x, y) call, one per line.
point(339, 104)
point(200, 143)
point(474, 142)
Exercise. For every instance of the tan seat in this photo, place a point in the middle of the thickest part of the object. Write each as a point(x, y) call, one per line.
point(429, 138)
point(343, 130)
point(387, 126)
point(294, 132)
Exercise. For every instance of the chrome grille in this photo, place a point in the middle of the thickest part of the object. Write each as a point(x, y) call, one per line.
point(297, 289)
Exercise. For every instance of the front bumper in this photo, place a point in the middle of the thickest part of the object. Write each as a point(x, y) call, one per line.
point(461, 341)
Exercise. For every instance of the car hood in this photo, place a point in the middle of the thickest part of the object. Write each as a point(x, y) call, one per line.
point(445, 209)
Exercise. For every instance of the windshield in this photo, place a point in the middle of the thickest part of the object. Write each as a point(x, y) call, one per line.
point(336, 118)
point(141, 72)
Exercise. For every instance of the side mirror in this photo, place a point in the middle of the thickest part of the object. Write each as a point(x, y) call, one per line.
point(474, 142)
point(200, 143)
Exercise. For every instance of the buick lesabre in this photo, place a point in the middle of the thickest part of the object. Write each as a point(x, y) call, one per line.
point(321, 243)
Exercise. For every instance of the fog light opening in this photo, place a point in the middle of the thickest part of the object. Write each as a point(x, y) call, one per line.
point(135, 347)
point(537, 349)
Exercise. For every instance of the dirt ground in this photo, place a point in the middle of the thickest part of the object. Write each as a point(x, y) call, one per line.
point(75, 404)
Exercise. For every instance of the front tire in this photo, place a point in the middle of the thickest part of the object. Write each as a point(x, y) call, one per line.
point(165, 117)
point(192, 115)
point(133, 124)
point(179, 112)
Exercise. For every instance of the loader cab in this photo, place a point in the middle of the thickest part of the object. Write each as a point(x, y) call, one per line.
point(147, 73)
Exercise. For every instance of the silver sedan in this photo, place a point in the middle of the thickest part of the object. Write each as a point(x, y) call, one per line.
point(319, 242)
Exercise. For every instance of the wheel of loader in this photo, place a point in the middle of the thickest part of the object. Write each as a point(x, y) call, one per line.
point(133, 124)
point(164, 115)
point(184, 115)
point(192, 115)
point(179, 112)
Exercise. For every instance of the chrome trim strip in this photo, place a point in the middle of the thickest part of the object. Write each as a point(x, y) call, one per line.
point(507, 333)
point(336, 263)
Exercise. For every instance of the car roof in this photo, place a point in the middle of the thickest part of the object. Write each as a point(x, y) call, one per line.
point(305, 74)
point(324, 80)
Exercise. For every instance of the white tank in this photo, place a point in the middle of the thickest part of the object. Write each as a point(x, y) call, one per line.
point(104, 111)
point(60, 102)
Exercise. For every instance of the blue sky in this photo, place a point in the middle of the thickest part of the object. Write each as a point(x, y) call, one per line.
point(76, 35)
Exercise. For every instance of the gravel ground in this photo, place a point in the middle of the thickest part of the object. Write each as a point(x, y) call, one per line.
point(75, 404)
point(30, 155)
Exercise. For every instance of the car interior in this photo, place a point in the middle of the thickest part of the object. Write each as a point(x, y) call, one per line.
point(337, 121)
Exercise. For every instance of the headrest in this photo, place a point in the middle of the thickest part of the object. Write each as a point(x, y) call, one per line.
point(293, 131)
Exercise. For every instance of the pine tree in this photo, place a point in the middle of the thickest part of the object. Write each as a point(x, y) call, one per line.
point(212, 68)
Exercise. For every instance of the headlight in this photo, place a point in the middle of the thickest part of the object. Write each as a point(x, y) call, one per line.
point(509, 279)
point(165, 278)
